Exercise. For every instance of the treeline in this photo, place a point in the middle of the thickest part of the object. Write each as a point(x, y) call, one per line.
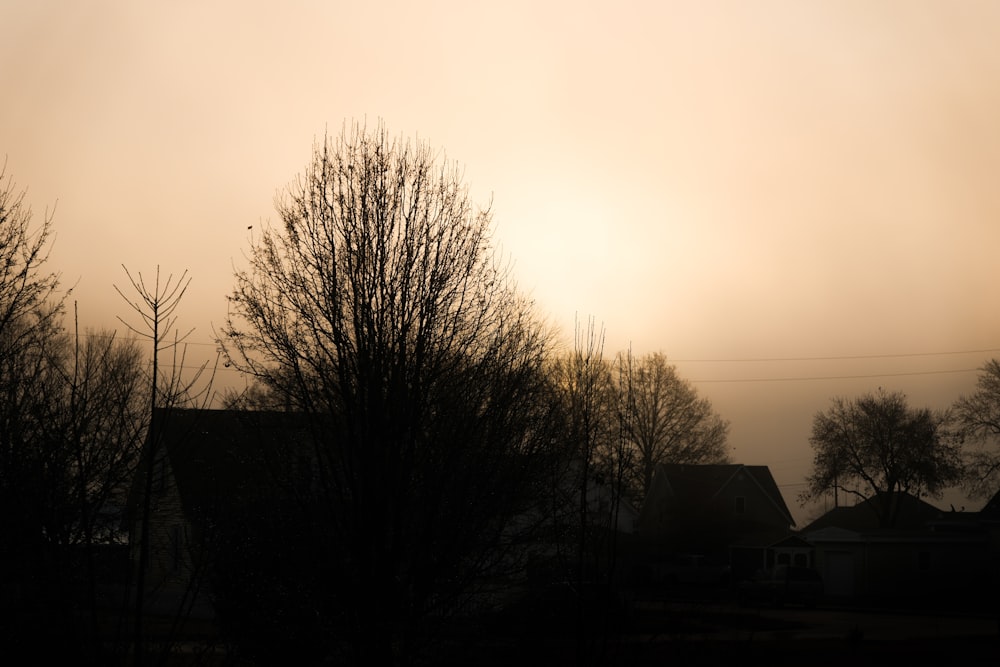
point(455, 440)
point(447, 420)
point(73, 413)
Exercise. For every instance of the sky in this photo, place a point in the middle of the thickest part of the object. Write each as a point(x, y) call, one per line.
point(792, 200)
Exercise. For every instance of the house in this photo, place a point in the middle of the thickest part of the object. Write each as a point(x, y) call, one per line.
point(729, 513)
point(989, 519)
point(928, 556)
point(607, 507)
point(206, 466)
point(910, 513)
point(561, 524)
point(215, 471)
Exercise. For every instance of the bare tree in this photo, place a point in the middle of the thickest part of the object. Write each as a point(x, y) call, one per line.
point(380, 309)
point(30, 311)
point(99, 419)
point(94, 424)
point(669, 422)
point(29, 320)
point(253, 397)
point(28, 388)
point(594, 432)
point(585, 379)
point(876, 447)
point(978, 420)
point(67, 443)
point(156, 304)
point(27, 290)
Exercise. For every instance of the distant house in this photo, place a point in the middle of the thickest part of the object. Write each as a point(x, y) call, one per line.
point(607, 523)
point(909, 512)
point(729, 513)
point(216, 470)
point(928, 556)
point(988, 519)
point(207, 465)
point(606, 505)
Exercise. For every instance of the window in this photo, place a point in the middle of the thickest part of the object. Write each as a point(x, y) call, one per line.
point(739, 505)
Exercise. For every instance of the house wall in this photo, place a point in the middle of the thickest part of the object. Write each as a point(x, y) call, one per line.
point(926, 569)
point(754, 508)
point(734, 523)
point(904, 570)
point(797, 556)
point(169, 567)
point(842, 566)
point(740, 507)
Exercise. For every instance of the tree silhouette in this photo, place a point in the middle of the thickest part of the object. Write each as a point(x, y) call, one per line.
point(68, 435)
point(978, 418)
point(30, 311)
point(380, 310)
point(27, 291)
point(96, 421)
point(669, 422)
point(593, 430)
point(156, 305)
point(876, 447)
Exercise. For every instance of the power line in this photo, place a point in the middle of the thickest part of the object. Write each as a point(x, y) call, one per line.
point(834, 358)
point(838, 377)
point(811, 378)
point(853, 357)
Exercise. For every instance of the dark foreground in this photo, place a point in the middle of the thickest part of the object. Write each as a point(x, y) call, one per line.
point(717, 632)
point(803, 652)
point(723, 633)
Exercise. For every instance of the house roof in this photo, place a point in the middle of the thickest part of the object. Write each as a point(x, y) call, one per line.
point(914, 513)
point(698, 485)
point(220, 457)
point(991, 510)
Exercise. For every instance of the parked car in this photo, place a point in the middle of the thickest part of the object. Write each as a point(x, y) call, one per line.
point(781, 585)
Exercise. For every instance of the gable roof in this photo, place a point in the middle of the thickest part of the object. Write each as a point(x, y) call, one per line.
point(913, 513)
point(220, 458)
point(699, 485)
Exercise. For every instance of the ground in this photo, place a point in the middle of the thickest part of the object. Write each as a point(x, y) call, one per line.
point(720, 632)
point(695, 631)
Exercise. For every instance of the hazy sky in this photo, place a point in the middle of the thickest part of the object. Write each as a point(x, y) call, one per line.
point(761, 190)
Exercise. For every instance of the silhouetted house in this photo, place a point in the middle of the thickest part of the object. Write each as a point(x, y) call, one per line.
point(556, 522)
point(910, 512)
point(211, 469)
point(606, 505)
point(560, 509)
point(989, 519)
point(928, 555)
point(232, 488)
point(729, 513)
